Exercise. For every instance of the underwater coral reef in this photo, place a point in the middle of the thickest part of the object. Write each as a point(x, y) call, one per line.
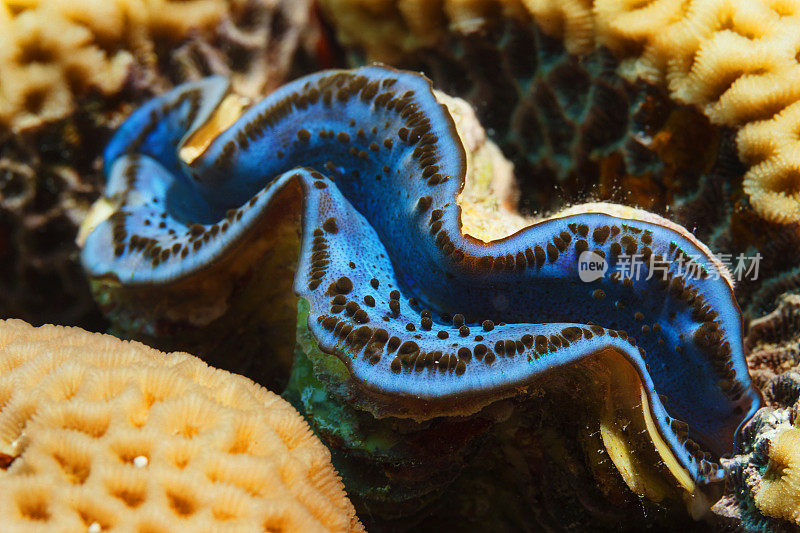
point(100, 434)
point(71, 72)
point(734, 60)
point(430, 323)
point(521, 265)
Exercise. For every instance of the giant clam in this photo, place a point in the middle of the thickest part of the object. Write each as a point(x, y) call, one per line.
point(409, 329)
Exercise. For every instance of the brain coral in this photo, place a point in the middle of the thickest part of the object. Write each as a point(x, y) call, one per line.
point(405, 316)
point(55, 52)
point(569, 123)
point(103, 434)
point(736, 60)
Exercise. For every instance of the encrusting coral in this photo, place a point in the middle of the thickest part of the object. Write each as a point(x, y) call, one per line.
point(105, 434)
point(765, 471)
point(779, 494)
point(736, 60)
point(773, 341)
point(406, 322)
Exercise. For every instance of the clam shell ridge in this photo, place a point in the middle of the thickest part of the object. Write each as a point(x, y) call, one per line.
point(426, 319)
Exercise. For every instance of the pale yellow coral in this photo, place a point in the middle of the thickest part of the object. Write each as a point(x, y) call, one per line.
point(736, 60)
point(112, 435)
point(779, 494)
point(52, 51)
point(772, 148)
point(571, 19)
point(44, 60)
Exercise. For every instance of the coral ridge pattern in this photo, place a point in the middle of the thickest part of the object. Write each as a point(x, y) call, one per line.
point(99, 434)
point(428, 320)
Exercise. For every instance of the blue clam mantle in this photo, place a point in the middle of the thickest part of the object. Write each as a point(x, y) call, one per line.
point(425, 318)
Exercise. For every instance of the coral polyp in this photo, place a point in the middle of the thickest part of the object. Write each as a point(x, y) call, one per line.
point(350, 180)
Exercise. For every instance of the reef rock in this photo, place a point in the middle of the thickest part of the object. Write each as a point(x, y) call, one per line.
point(765, 472)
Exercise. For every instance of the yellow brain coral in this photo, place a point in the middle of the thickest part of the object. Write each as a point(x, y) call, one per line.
point(737, 60)
point(102, 434)
point(54, 50)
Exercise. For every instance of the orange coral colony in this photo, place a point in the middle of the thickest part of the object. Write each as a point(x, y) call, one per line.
point(100, 434)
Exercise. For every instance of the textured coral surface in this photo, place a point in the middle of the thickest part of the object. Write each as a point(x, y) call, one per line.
point(772, 341)
point(572, 127)
point(765, 492)
point(103, 434)
point(53, 52)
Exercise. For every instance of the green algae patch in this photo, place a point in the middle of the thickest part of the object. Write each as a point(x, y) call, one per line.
point(320, 383)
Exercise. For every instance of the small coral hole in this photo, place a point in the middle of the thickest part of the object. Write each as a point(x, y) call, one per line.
point(34, 52)
point(244, 440)
point(89, 517)
point(188, 431)
point(34, 101)
point(727, 23)
point(76, 469)
point(181, 461)
point(181, 502)
point(92, 423)
point(181, 453)
point(6, 460)
point(132, 497)
point(787, 184)
point(639, 4)
point(222, 515)
point(127, 452)
point(33, 505)
point(275, 524)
